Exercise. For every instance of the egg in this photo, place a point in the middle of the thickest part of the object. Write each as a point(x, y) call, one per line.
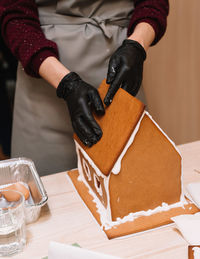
point(10, 196)
point(15, 196)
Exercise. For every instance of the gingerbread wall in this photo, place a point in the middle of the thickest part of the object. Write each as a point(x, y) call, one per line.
point(150, 173)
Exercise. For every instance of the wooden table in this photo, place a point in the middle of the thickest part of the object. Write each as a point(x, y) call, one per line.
point(67, 220)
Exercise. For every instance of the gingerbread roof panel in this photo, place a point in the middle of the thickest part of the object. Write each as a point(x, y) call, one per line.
point(118, 123)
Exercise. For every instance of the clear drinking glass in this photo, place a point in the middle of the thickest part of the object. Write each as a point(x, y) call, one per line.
point(12, 222)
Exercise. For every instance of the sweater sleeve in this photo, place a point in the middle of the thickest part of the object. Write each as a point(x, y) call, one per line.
point(21, 31)
point(154, 12)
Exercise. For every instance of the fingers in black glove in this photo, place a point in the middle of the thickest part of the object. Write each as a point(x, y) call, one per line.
point(96, 102)
point(125, 69)
point(81, 98)
point(83, 132)
point(112, 68)
point(115, 84)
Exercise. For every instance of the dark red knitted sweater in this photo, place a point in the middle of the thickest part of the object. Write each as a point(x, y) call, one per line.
point(20, 28)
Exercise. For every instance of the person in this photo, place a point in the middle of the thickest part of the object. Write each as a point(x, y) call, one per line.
point(72, 46)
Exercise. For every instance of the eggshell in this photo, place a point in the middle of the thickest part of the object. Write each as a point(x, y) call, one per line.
point(15, 196)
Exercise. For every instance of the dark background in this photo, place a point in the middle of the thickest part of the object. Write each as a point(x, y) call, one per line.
point(8, 65)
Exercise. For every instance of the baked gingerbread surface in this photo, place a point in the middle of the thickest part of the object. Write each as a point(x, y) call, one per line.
point(117, 126)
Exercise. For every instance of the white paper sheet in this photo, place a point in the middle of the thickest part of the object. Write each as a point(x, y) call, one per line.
point(193, 190)
point(63, 251)
point(189, 226)
point(196, 252)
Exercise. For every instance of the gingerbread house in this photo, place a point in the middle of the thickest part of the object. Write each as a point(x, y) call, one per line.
point(135, 169)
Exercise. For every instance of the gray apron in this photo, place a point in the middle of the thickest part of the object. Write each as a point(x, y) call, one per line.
point(87, 32)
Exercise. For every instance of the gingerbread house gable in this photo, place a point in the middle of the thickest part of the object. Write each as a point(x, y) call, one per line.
point(128, 170)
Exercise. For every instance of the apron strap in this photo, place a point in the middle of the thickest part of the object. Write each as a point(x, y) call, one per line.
point(79, 20)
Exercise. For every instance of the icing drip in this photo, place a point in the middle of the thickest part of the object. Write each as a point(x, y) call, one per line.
point(117, 167)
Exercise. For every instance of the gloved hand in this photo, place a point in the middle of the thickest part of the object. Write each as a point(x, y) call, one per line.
point(125, 69)
point(81, 98)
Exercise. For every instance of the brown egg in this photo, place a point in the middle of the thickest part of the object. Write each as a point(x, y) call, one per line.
point(16, 187)
point(10, 196)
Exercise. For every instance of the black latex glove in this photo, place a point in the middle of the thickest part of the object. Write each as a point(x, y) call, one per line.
point(125, 69)
point(81, 98)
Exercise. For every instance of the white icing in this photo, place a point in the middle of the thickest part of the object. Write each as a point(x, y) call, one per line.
point(97, 170)
point(108, 223)
point(105, 213)
point(117, 167)
point(98, 187)
point(173, 144)
point(196, 252)
point(106, 185)
point(87, 170)
point(79, 178)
